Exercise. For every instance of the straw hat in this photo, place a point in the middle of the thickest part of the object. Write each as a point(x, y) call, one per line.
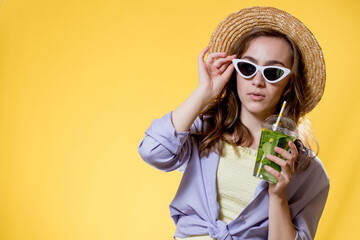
point(240, 22)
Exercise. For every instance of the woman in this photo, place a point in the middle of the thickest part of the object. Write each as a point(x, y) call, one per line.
point(214, 134)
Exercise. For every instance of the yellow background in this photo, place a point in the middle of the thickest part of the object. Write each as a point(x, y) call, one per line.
point(80, 82)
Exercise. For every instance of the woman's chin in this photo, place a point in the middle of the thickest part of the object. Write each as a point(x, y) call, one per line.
point(260, 111)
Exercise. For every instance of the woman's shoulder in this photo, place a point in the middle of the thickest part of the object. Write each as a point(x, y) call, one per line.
point(318, 167)
point(309, 184)
point(315, 174)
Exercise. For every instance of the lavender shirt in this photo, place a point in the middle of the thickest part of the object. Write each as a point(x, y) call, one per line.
point(195, 208)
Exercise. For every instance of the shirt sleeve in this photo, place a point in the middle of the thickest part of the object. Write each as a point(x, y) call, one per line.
point(311, 205)
point(163, 147)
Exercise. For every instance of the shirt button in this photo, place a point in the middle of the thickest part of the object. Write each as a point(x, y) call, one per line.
point(241, 219)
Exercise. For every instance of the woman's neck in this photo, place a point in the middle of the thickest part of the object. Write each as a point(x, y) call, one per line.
point(253, 123)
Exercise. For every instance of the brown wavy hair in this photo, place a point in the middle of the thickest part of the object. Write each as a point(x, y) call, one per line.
point(221, 118)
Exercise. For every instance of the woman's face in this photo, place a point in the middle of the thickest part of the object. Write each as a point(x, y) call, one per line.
point(259, 97)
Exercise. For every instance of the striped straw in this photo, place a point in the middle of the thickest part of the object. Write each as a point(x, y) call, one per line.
point(280, 114)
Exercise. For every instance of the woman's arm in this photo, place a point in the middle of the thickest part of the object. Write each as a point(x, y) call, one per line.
point(166, 145)
point(308, 193)
point(280, 223)
point(214, 73)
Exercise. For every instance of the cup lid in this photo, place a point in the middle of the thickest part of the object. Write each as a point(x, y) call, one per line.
point(285, 124)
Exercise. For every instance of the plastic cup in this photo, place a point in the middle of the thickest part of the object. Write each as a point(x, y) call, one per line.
point(272, 136)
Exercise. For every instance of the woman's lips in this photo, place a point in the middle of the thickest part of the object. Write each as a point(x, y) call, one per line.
point(256, 96)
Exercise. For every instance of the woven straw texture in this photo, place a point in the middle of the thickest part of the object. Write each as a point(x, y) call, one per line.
point(240, 22)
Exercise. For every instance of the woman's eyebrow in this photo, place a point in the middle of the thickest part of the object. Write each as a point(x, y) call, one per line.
point(270, 62)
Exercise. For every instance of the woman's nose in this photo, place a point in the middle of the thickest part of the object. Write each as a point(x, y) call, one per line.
point(258, 80)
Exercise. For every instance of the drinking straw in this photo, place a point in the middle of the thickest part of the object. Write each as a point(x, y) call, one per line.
point(280, 114)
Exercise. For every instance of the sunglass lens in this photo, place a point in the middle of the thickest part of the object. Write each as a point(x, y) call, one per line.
point(246, 69)
point(273, 74)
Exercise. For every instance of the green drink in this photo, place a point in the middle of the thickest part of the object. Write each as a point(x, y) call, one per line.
point(272, 136)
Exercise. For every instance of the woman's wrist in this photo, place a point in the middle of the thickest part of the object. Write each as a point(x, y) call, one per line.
point(204, 95)
point(278, 196)
point(184, 115)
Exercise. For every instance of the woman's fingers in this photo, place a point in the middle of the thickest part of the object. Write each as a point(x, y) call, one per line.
point(285, 154)
point(202, 55)
point(294, 151)
point(273, 172)
point(228, 71)
point(213, 56)
point(282, 179)
point(225, 63)
point(292, 155)
point(287, 166)
point(214, 69)
point(221, 61)
point(223, 67)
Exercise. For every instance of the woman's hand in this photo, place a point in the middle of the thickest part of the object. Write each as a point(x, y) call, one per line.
point(214, 72)
point(287, 169)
